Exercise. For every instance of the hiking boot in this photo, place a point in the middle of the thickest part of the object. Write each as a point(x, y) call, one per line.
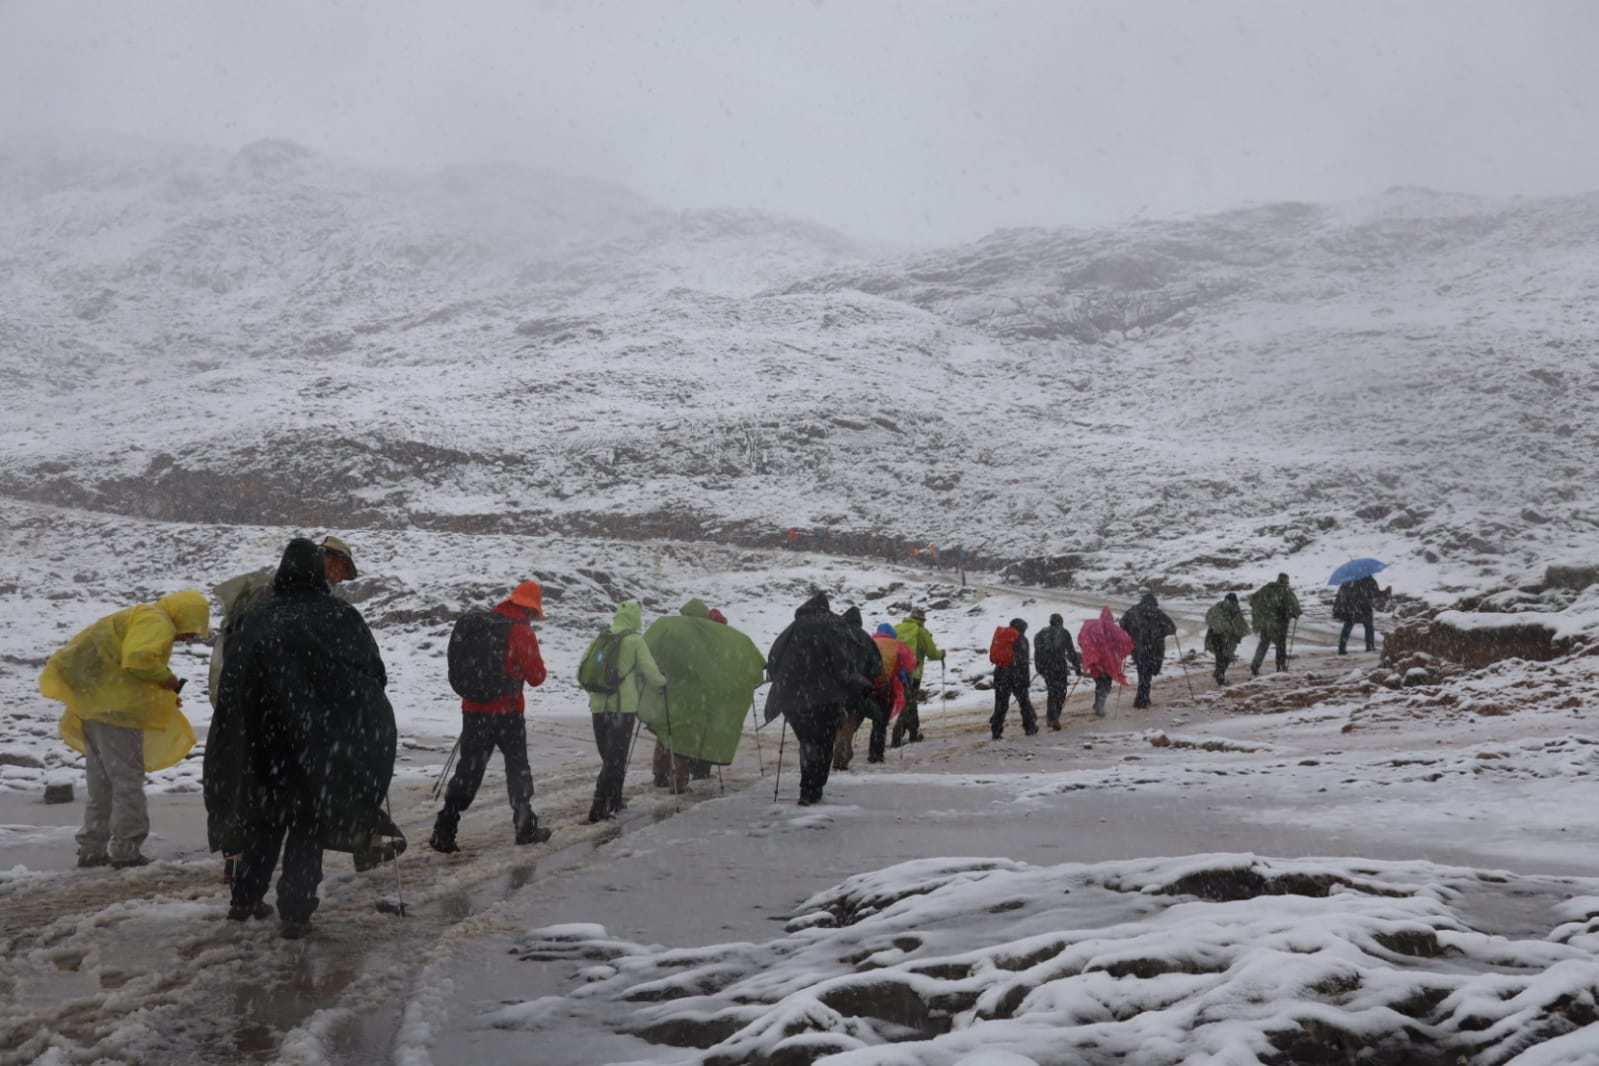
point(243, 912)
point(998, 734)
point(918, 738)
point(598, 813)
point(1254, 671)
point(1139, 705)
point(874, 758)
point(662, 781)
point(808, 801)
point(128, 864)
point(528, 830)
point(89, 862)
point(1031, 731)
point(1054, 727)
point(443, 838)
point(294, 928)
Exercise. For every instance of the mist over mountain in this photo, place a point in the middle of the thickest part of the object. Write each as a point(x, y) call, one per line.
point(275, 336)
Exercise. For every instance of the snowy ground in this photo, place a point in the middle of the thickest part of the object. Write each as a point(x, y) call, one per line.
point(1098, 890)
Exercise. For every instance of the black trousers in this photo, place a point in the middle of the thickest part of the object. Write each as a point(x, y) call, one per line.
point(302, 868)
point(1349, 627)
point(613, 733)
point(1146, 677)
point(879, 737)
point(1260, 653)
point(909, 722)
point(1003, 691)
point(481, 734)
point(1055, 698)
point(815, 728)
point(1222, 661)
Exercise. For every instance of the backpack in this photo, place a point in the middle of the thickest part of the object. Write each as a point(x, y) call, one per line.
point(600, 670)
point(1002, 649)
point(476, 657)
point(888, 648)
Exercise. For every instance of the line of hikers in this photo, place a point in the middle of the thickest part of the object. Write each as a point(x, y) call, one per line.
point(301, 747)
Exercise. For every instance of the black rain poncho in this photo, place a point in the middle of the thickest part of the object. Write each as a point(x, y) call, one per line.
point(816, 662)
point(302, 725)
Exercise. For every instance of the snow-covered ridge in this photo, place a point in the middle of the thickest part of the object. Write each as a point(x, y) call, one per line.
point(278, 336)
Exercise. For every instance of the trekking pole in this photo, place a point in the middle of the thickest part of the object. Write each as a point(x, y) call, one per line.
point(783, 737)
point(399, 885)
point(638, 725)
point(941, 691)
point(1180, 659)
point(759, 758)
point(671, 763)
point(449, 763)
point(1293, 636)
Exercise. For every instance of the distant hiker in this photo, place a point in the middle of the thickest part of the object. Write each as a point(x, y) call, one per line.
point(1272, 610)
point(714, 671)
point(815, 665)
point(1225, 628)
point(1149, 626)
point(1355, 602)
point(1013, 675)
point(1105, 644)
point(123, 715)
point(888, 697)
point(1057, 659)
point(617, 670)
point(913, 631)
point(491, 655)
point(238, 594)
point(301, 748)
point(863, 706)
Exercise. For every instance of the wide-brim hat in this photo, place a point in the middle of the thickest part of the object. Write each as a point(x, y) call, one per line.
point(331, 543)
point(530, 594)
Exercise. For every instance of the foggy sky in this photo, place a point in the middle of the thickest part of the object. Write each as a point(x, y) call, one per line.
point(918, 120)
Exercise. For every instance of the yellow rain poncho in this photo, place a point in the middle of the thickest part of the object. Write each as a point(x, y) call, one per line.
point(112, 672)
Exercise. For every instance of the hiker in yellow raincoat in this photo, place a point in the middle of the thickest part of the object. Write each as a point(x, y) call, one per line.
point(122, 714)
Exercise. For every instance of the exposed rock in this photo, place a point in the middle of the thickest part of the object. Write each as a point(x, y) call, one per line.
point(1475, 647)
point(1575, 578)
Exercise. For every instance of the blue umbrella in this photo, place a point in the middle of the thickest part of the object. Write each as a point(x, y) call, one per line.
point(1355, 569)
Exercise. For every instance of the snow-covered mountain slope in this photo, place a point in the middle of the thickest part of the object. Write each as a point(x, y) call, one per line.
point(271, 336)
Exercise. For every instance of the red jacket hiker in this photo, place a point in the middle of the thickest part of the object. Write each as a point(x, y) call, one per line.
point(522, 659)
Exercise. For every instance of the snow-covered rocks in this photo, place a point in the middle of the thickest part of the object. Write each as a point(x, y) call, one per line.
point(1208, 958)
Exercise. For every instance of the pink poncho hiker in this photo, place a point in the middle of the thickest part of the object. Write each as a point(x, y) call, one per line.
point(1104, 644)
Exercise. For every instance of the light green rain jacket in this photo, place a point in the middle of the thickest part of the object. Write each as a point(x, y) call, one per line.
point(916, 637)
point(637, 665)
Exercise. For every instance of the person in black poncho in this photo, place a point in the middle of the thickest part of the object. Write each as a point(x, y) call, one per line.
point(816, 664)
point(301, 748)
